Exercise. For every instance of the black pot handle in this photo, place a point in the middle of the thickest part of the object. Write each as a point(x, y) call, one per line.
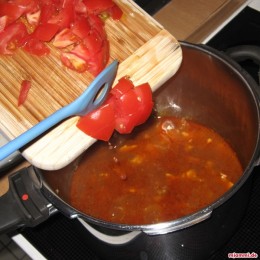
point(244, 52)
point(23, 205)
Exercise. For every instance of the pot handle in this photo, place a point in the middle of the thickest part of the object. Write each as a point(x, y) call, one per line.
point(245, 52)
point(112, 240)
point(23, 204)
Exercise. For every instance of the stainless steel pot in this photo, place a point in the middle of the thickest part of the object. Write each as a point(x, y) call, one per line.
point(208, 88)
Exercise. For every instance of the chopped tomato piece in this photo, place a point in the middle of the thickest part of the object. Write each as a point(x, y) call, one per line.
point(128, 107)
point(45, 32)
point(11, 36)
point(123, 86)
point(144, 97)
point(33, 18)
point(81, 27)
point(97, 24)
point(133, 107)
point(74, 62)
point(65, 38)
point(36, 47)
point(99, 123)
point(115, 12)
point(47, 11)
point(98, 5)
point(99, 60)
point(64, 18)
point(93, 42)
point(3, 22)
point(74, 25)
point(25, 87)
point(80, 7)
point(11, 10)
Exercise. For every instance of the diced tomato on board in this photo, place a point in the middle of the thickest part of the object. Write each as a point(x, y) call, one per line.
point(72, 25)
point(25, 87)
point(127, 107)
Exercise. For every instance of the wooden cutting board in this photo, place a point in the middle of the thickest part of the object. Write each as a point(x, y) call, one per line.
point(145, 50)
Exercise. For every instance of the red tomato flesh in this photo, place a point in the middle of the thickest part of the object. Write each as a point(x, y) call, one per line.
point(99, 123)
point(127, 107)
point(11, 36)
point(98, 5)
point(25, 87)
point(45, 32)
point(35, 47)
point(133, 108)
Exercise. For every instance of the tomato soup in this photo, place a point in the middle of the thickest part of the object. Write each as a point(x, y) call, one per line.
point(159, 173)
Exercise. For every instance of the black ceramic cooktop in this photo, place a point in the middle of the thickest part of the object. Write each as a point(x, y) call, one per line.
point(151, 6)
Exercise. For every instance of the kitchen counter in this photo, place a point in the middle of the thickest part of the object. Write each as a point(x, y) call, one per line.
point(186, 21)
point(194, 21)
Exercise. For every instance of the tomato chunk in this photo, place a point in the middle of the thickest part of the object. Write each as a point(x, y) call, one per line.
point(24, 90)
point(64, 38)
point(115, 12)
point(144, 97)
point(127, 107)
point(133, 108)
point(11, 11)
point(99, 123)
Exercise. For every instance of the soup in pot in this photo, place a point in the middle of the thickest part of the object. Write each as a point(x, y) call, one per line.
point(159, 173)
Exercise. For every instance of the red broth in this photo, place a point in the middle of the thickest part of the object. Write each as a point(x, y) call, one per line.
point(171, 169)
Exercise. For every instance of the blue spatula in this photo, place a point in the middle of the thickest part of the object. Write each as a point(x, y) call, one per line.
point(91, 98)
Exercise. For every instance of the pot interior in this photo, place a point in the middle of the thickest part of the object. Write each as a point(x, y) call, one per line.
point(207, 90)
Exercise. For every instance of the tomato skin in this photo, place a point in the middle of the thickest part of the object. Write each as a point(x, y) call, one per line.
point(81, 27)
point(99, 60)
point(25, 87)
point(99, 123)
point(144, 97)
point(133, 107)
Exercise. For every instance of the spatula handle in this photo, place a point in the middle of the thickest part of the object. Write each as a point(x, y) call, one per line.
point(34, 132)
